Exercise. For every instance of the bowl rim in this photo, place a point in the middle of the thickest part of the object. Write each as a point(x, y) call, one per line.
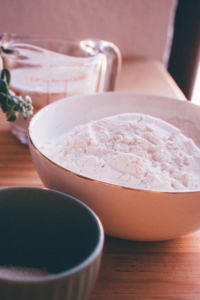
point(53, 277)
point(89, 178)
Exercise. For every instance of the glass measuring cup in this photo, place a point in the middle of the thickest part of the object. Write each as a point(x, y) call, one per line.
point(48, 69)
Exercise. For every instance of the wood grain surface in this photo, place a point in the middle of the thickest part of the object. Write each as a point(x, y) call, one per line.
point(129, 270)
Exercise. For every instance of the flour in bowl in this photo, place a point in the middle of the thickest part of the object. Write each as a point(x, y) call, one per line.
point(130, 150)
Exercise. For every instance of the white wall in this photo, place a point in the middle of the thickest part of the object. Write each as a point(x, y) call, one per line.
point(140, 28)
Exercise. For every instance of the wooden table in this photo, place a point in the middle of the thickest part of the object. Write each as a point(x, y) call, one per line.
point(130, 270)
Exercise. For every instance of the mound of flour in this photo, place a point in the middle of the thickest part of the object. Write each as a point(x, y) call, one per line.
point(130, 150)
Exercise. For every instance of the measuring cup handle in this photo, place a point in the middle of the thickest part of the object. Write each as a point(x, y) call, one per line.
point(114, 62)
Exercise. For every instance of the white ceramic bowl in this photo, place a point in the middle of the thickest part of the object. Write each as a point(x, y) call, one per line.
point(125, 212)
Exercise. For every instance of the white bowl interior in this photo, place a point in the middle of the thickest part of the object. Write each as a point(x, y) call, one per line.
point(59, 117)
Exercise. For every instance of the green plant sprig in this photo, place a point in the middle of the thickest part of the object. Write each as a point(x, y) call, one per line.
point(11, 104)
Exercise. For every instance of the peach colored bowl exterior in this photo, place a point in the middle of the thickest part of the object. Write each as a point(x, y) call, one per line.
point(124, 212)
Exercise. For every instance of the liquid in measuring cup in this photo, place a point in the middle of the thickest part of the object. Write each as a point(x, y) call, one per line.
point(46, 85)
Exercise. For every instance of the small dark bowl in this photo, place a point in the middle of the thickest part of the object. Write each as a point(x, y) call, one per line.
point(51, 245)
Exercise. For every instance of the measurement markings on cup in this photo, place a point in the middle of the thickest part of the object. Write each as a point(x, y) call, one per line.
point(43, 91)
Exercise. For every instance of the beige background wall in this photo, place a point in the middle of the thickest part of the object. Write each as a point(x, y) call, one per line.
point(140, 28)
